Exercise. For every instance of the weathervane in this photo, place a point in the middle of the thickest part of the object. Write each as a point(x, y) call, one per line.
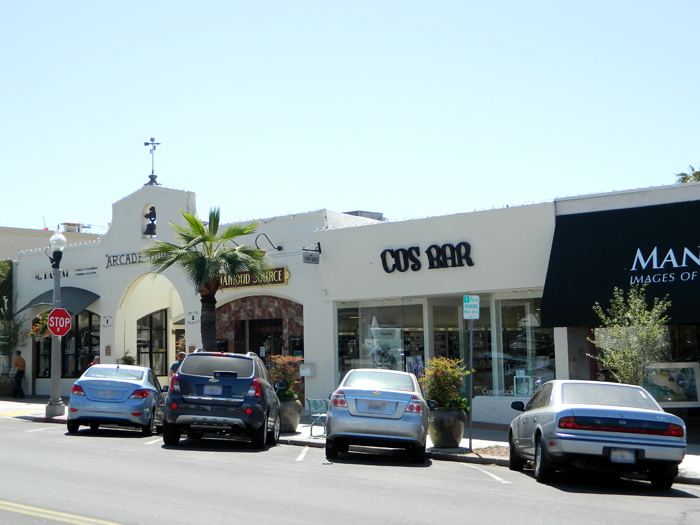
point(153, 175)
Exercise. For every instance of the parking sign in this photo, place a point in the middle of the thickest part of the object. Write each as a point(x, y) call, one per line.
point(470, 309)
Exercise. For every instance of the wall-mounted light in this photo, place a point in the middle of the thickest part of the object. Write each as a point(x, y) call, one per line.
point(278, 248)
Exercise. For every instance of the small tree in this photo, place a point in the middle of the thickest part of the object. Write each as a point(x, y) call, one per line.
point(693, 175)
point(631, 335)
point(286, 369)
point(442, 381)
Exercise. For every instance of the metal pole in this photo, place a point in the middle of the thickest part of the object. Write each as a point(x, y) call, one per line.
point(471, 379)
point(56, 406)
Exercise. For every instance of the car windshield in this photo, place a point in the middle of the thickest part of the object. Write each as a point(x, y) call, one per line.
point(96, 372)
point(379, 380)
point(607, 395)
point(206, 365)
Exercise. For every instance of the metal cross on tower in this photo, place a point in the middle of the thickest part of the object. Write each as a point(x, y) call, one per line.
point(153, 175)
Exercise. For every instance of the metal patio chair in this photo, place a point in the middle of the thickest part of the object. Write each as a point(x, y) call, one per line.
point(317, 411)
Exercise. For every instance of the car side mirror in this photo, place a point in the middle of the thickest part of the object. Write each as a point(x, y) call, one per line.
point(279, 384)
point(165, 389)
point(432, 404)
point(518, 405)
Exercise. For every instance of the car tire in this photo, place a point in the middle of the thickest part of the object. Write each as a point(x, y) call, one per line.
point(258, 437)
point(273, 436)
point(147, 430)
point(343, 445)
point(195, 435)
point(515, 462)
point(73, 426)
point(171, 434)
point(544, 471)
point(418, 454)
point(94, 427)
point(332, 447)
point(662, 479)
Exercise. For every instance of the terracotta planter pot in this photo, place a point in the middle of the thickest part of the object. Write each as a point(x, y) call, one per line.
point(7, 385)
point(446, 427)
point(290, 414)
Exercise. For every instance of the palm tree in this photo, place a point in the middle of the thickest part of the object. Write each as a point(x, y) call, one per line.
point(693, 176)
point(204, 256)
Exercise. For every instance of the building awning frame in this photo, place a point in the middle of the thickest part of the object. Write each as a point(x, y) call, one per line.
point(75, 300)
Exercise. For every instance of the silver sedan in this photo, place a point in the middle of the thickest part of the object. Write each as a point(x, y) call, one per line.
point(599, 425)
point(121, 395)
point(381, 408)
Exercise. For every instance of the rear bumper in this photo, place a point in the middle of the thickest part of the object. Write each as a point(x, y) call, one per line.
point(411, 429)
point(648, 451)
point(211, 418)
point(86, 412)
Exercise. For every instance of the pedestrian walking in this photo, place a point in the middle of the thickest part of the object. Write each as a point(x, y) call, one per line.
point(174, 367)
point(21, 365)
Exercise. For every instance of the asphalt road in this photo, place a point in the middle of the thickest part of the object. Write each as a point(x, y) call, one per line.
point(116, 476)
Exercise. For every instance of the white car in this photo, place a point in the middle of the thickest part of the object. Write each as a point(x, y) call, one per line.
point(594, 424)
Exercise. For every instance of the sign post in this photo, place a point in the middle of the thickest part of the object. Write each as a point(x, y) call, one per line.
point(470, 310)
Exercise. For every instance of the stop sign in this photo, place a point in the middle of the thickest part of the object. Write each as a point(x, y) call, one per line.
point(59, 321)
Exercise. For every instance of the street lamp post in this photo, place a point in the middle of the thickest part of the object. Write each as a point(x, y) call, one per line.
point(55, 406)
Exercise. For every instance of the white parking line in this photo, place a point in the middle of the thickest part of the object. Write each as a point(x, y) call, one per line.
point(486, 472)
point(154, 441)
point(302, 454)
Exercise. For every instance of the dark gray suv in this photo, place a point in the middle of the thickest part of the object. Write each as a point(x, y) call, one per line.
point(223, 394)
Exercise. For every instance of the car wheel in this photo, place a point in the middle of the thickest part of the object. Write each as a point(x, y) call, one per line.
point(94, 427)
point(515, 462)
point(195, 435)
point(543, 469)
point(343, 445)
point(147, 430)
point(171, 434)
point(73, 426)
point(258, 437)
point(662, 479)
point(273, 436)
point(418, 454)
point(332, 448)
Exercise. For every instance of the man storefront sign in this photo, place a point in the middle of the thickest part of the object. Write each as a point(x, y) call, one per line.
point(271, 277)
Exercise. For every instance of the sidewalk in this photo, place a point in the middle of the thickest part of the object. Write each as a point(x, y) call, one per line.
point(489, 441)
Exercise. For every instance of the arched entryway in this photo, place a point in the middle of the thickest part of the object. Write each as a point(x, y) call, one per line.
point(262, 324)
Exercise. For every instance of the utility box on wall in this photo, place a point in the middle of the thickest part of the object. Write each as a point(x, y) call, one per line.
point(307, 370)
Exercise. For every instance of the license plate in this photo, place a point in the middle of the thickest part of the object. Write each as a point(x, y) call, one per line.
point(212, 390)
point(376, 407)
point(622, 455)
point(107, 394)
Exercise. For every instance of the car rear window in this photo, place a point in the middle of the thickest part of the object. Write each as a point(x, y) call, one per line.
point(606, 395)
point(379, 380)
point(95, 372)
point(206, 365)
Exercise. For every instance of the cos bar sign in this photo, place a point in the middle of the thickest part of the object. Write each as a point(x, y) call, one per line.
point(445, 256)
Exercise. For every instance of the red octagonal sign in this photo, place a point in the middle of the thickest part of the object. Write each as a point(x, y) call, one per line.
point(59, 321)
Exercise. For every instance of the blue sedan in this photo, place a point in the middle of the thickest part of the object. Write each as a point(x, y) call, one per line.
point(121, 395)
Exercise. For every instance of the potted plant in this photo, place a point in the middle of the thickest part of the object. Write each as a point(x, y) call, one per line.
point(285, 368)
point(441, 381)
point(40, 329)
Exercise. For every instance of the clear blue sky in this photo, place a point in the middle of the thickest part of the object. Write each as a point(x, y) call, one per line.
point(410, 108)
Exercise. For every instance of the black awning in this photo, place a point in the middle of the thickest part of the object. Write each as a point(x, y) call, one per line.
point(592, 253)
point(75, 300)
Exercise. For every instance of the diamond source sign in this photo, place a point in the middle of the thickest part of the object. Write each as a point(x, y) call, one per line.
point(59, 321)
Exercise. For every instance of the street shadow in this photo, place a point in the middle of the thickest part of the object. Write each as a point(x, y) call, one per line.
point(595, 482)
point(111, 432)
point(211, 442)
point(380, 457)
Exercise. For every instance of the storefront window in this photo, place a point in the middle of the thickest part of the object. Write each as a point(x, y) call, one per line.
point(521, 358)
point(78, 347)
point(380, 334)
point(152, 343)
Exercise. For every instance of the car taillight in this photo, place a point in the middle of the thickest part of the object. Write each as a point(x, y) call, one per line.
point(674, 430)
point(255, 389)
point(77, 390)
point(415, 405)
point(175, 384)
point(338, 399)
point(141, 393)
point(568, 422)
